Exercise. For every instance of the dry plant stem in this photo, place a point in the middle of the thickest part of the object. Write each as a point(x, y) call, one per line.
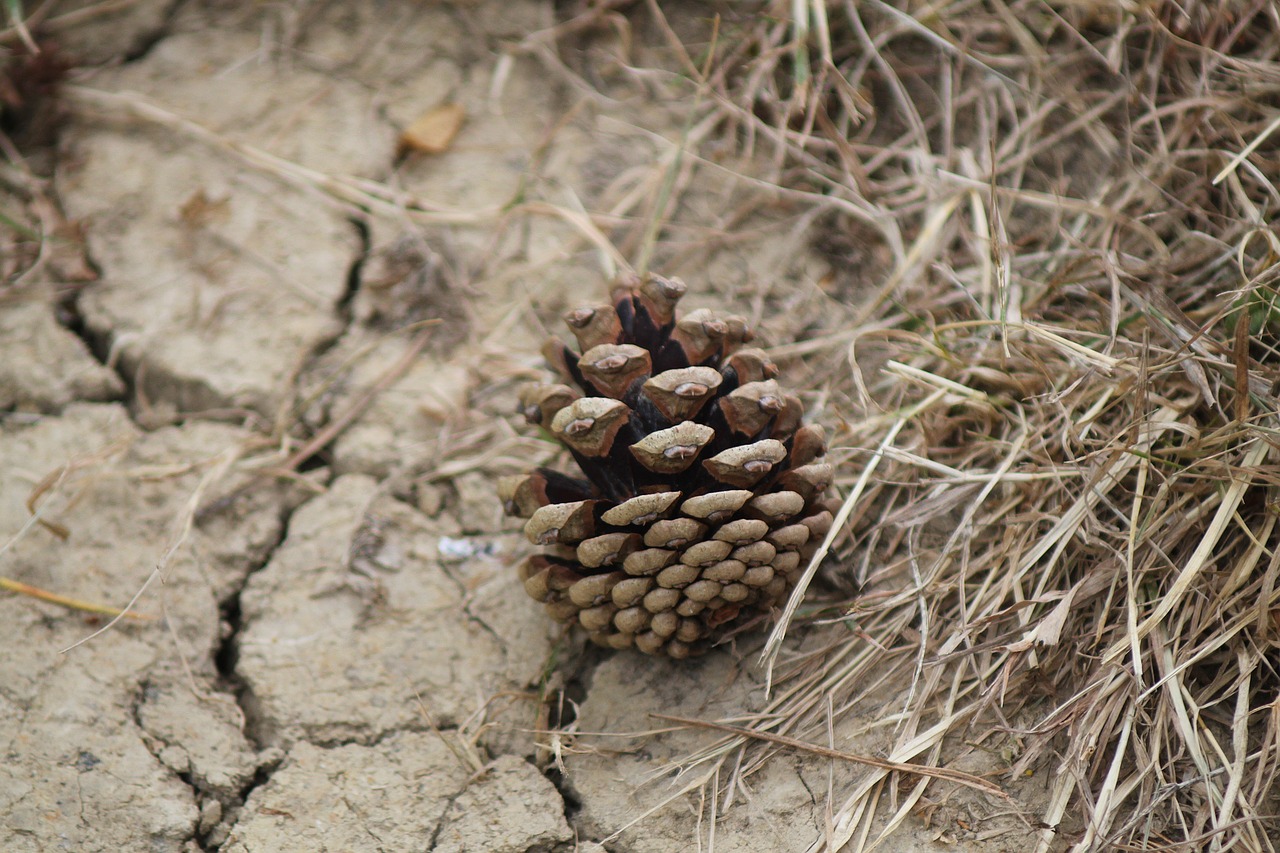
point(942, 773)
point(68, 602)
point(348, 416)
point(49, 485)
point(773, 646)
point(20, 31)
point(340, 423)
point(185, 522)
point(352, 194)
point(666, 188)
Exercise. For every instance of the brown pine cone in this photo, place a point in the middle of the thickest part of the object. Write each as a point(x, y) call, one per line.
point(702, 498)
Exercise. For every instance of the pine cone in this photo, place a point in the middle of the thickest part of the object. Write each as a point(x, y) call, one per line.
point(702, 499)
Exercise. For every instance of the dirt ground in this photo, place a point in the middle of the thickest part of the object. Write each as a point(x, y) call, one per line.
point(338, 656)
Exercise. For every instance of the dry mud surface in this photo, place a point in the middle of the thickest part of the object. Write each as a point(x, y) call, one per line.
point(339, 657)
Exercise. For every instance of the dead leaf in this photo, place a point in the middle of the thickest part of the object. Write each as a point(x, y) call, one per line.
point(199, 210)
point(433, 131)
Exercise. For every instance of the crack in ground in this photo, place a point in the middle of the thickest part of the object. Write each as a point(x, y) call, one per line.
point(374, 739)
point(804, 783)
point(67, 311)
point(353, 273)
point(572, 802)
point(562, 714)
point(342, 309)
point(155, 745)
point(226, 656)
point(440, 821)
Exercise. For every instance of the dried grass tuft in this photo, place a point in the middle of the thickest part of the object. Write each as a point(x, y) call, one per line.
point(1059, 400)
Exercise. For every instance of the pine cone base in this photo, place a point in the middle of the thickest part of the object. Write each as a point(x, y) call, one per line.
point(701, 500)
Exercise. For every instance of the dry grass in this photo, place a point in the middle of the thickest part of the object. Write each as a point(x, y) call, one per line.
point(1059, 396)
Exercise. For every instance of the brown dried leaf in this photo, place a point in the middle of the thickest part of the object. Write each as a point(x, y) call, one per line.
point(433, 131)
point(200, 210)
